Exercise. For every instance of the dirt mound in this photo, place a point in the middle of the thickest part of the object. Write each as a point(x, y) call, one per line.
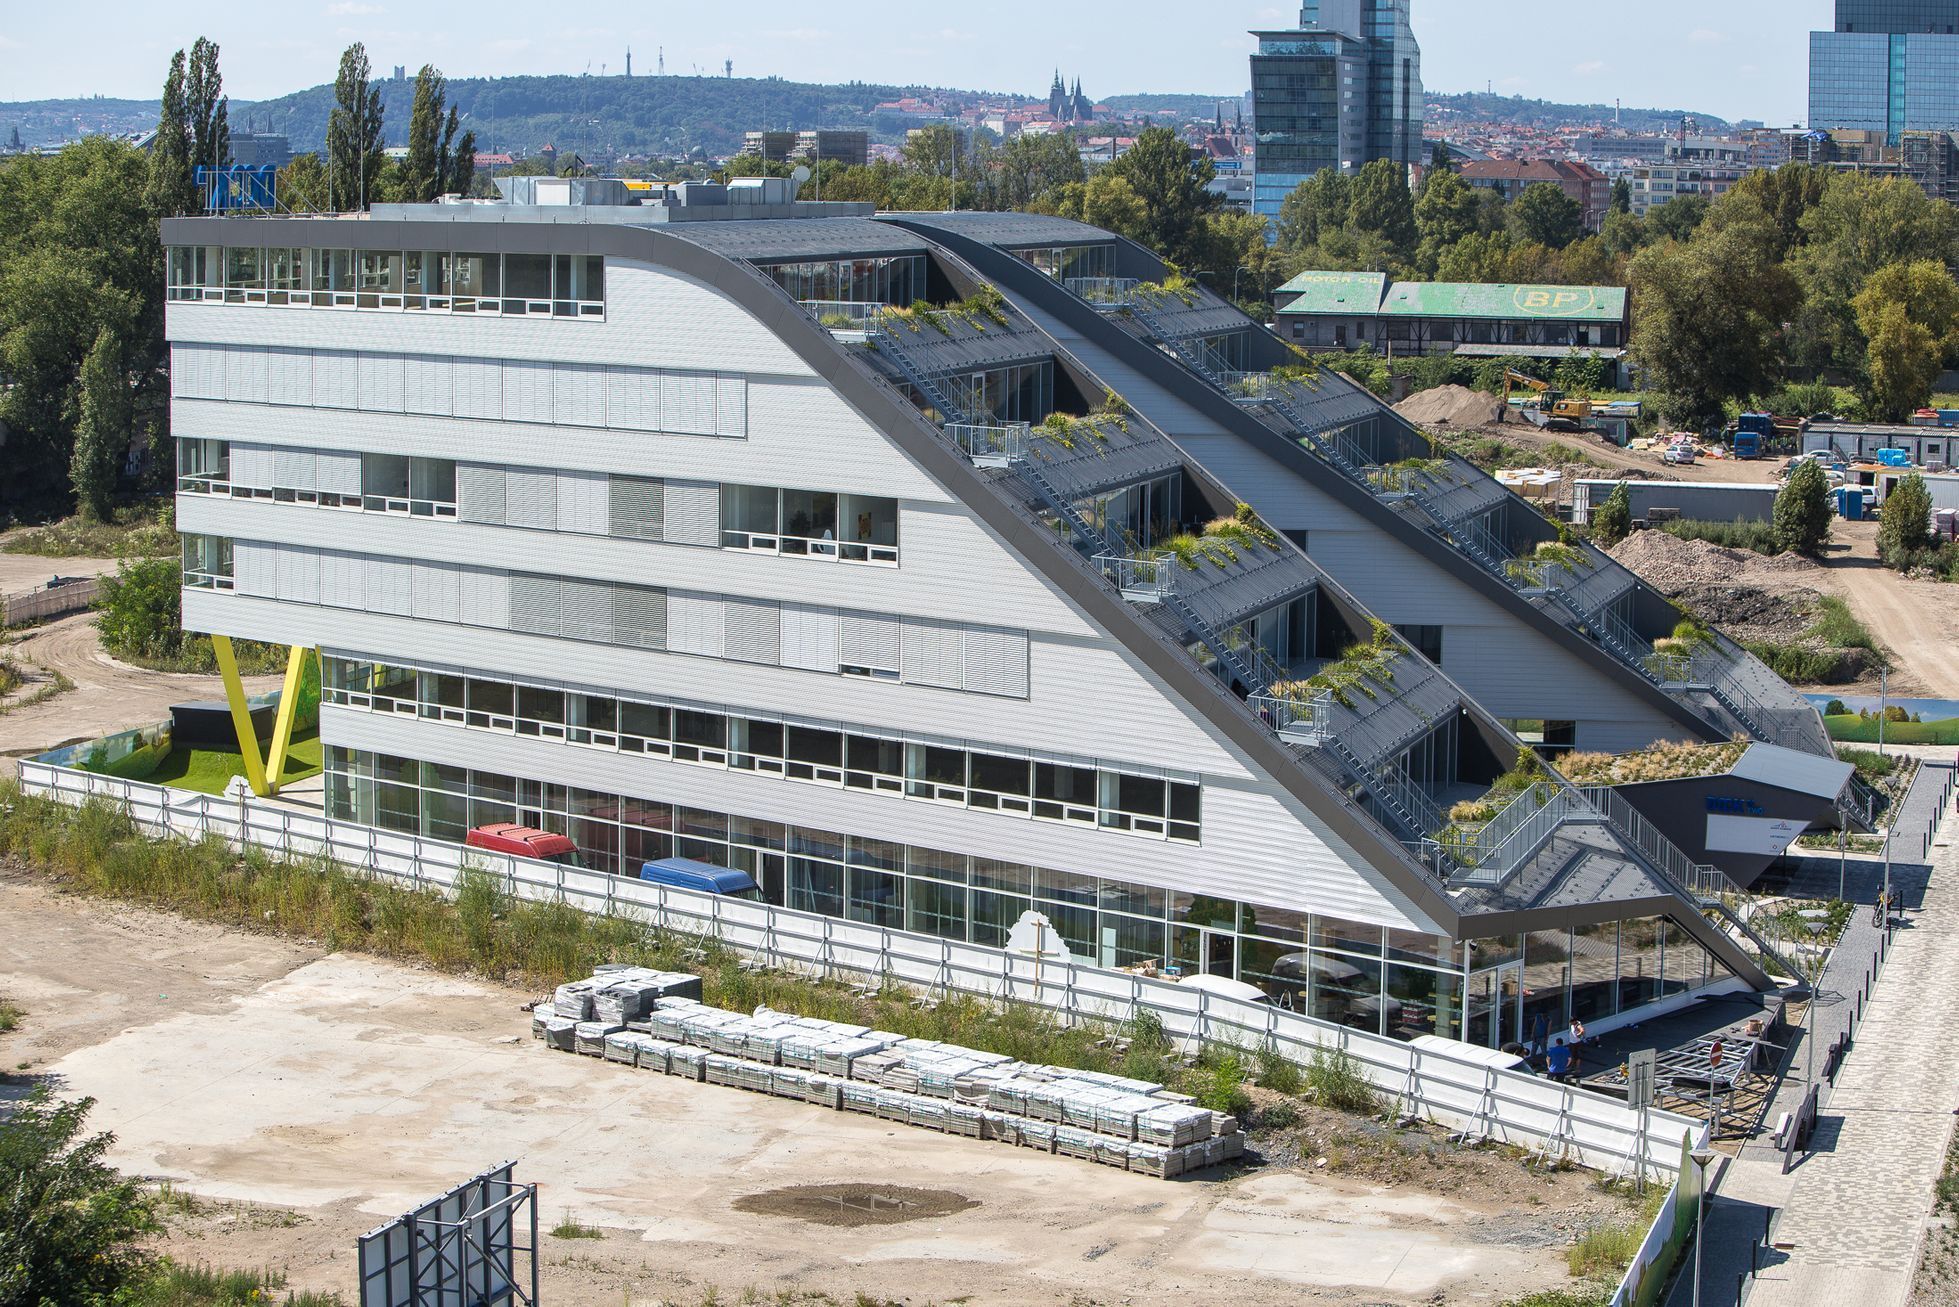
point(854, 1204)
point(1672, 565)
point(1449, 406)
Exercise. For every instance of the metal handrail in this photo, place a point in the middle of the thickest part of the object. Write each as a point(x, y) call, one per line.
point(862, 314)
point(1296, 719)
point(1103, 292)
point(991, 444)
point(1144, 580)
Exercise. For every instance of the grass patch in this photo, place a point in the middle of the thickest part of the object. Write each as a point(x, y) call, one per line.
point(573, 1228)
point(1757, 537)
point(1837, 625)
point(57, 683)
point(9, 1017)
point(141, 531)
point(196, 656)
point(1597, 1294)
point(1852, 729)
point(1334, 1079)
point(172, 1285)
point(11, 677)
point(1871, 765)
point(208, 771)
point(1800, 664)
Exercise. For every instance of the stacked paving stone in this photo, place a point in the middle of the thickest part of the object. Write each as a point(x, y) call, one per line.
point(1131, 1124)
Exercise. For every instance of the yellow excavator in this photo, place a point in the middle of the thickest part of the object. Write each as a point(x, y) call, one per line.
point(1547, 408)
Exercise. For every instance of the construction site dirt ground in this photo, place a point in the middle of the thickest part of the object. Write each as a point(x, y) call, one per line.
point(295, 1099)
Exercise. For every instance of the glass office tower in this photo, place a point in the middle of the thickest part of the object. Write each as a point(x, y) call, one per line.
point(1889, 66)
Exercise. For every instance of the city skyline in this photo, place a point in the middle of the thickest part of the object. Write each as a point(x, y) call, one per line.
point(1750, 61)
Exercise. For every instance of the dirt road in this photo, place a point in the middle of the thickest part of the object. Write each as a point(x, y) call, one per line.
point(1918, 621)
point(304, 1097)
point(109, 696)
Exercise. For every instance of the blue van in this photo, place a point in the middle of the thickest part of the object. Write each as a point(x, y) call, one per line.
point(702, 877)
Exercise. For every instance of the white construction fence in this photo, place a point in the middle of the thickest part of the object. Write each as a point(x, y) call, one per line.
point(1557, 1121)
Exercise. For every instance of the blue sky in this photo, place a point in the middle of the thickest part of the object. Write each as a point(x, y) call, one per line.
point(1736, 58)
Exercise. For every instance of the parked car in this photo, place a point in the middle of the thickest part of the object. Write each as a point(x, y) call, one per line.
point(524, 842)
point(1679, 454)
point(701, 877)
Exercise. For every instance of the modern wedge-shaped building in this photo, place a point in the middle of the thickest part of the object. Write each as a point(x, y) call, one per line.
point(934, 568)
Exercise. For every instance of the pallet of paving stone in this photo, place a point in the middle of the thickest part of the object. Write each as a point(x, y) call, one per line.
point(858, 1097)
point(655, 1054)
point(540, 1016)
point(688, 1062)
point(561, 1033)
point(623, 1046)
point(573, 1000)
point(1173, 1125)
point(630, 993)
point(822, 1091)
point(590, 1038)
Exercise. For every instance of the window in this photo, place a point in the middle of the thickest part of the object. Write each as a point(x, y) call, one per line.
point(814, 755)
point(755, 745)
point(932, 772)
point(1003, 783)
point(1063, 793)
point(420, 487)
point(207, 562)
point(808, 522)
point(644, 728)
point(526, 283)
point(444, 698)
point(700, 737)
point(541, 712)
point(1427, 641)
point(874, 763)
point(566, 286)
point(492, 705)
point(203, 466)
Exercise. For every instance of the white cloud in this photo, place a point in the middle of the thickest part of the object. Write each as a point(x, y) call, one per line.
point(353, 9)
point(1589, 67)
point(1706, 36)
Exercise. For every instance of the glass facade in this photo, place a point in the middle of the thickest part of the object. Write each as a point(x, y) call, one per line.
point(439, 281)
point(899, 279)
point(1893, 81)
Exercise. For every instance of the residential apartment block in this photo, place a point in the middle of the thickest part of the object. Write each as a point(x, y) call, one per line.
point(688, 529)
point(1510, 178)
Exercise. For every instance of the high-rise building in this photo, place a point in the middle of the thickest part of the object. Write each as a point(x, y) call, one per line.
point(1343, 89)
point(1890, 66)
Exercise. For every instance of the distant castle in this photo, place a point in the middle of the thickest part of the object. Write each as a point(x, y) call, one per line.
point(1069, 106)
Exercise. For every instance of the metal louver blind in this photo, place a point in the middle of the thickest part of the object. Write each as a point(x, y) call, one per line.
point(437, 592)
point(639, 616)
point(338, 473)
point(294, 469)
point(534, 604)
point(809, 637)
point(343, 580)
point(389, 589)
point(632, 399)
point(336, 379)
point(638, 507)
point(693, 513)
point(731, 405)
point(868, 640)
point(244, 374)
point(478, 388)
point(585, 610)
point(381, 383)
point(582, 504)
point(428, 385)
point(687, 403)
point(934, 654)
point(479, 491)
point(996, 661)
point(753, 631)
point(252, 466)
point(255, 568)
point(194, 372)
point(526, 391)
point(485, 598)
point(289, 376)
point(694, 623)
point(299, 574)
point(530, 498)
point(578, 395)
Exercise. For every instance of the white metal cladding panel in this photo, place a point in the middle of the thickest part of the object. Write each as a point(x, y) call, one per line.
point(295, 469)
point(255, 568)
point(339, 474)
point(299, 574)
point(995, 661)
point(244, 375)
point(637, 507)
point(485, 597)
point(809, 637)
point(578, 394)
point(787, 419)
point(639, 616)
point(289, 376)
point(693, 513)
point(428, 384)
point(252, 465)
point(687, 402)
point(934, 653)
point(1515, 671)
point(754, 631)
point(196, 372)
point(382, 383)
point(388, 587)
point(437, 591)
point(478, 389)
point(632, 399)
point(530, 498)
point(868, 640)
point(1255, 848)
point(583, 502)
point(730, 405)
point(695, 624)
point(479, 493)
point(526, 391)
point(336, 379)
point(343, 580)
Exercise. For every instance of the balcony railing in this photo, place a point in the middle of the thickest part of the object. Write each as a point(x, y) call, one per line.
point(991, 445)
point(1297, 719)
point(1141, 580)
point(1509, 839)
point(845, 315)
point(1104, 292)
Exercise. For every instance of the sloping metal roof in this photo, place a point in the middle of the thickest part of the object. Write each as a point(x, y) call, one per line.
point(1117, 458)
point(773, 241)
point(1256, 579)
point(1462, 299)
point(1013, 231)
point(1346, 293)
point(1791, 769)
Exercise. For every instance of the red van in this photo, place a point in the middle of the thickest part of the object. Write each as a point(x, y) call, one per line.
point(524, 842)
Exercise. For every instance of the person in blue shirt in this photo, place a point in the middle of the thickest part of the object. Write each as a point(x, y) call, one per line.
point(1540, 1028)
point(1557, 1063)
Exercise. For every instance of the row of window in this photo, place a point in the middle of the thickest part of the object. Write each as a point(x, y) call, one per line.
point(847, 758)
point(562, 285)
point(756, 519)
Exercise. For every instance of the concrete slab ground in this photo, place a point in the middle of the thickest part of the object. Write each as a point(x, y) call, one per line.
point(346, 1089)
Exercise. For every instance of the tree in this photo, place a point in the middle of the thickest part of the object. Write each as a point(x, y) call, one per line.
point(1033, 166)
point(353, 133)
point(1786, 194)
point(1546, 215)
point(102, 434)
point(1315, 208)
point(1678, 217)
point(69, 1225)
point(1105, 200)
point(422, 179)
point(1612, 520)
point(302, 185)
point(1623, 233)
point(1440, 161)
point(206, 107)
point(1383, 204)
point(1909, 313)
point(458, 158)
point(1905, 522)
point(1621, 197)
point(1803, 510)
point(1588, 262)
point(141, 609)
point(1174, 189)
point(168, 190)
point(1708, 315)
point(1858, 226)
point(1447, 210)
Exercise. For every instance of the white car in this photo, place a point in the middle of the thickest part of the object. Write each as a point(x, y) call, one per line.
point(1679, 454)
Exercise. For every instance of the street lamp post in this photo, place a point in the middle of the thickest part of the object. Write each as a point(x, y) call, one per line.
point(1700, 1157)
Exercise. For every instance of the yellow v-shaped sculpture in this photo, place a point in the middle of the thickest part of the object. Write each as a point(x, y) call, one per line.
point(262, 774)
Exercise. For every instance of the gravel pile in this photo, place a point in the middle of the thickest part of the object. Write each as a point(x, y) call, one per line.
point(1449, 406)
point(1672, 565)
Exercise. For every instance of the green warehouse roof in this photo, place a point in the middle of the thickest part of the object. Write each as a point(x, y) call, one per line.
point(1347, 293)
